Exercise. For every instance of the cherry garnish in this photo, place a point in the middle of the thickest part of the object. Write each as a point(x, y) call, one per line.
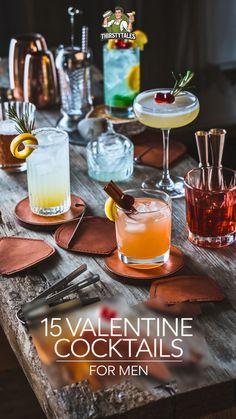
point(164, 97)
point(107, 314)
point(120, 43)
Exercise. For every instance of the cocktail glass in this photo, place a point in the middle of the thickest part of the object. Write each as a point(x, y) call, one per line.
point(48, 173)
point(211, 206)
point(8, 131)
point(144, 236)
point(166, 116)
point(121, 79)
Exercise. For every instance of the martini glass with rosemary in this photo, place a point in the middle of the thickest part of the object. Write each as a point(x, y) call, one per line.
point(166, 109)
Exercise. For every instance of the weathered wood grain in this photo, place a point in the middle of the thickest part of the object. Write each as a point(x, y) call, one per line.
point(126, 401)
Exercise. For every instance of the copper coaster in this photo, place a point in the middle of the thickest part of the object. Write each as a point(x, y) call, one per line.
point(28, 219)
point(174, 263)
point(126, 126)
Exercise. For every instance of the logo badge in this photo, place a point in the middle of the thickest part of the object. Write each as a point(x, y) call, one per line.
point(118, 24)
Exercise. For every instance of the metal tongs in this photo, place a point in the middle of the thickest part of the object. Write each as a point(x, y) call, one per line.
point(60, 290)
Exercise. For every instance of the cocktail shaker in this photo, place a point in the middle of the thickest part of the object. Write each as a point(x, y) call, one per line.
point(74, 69)
point(40, 79)
point(19, 47)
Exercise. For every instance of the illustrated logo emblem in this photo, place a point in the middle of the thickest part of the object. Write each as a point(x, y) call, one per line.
point(118, 24)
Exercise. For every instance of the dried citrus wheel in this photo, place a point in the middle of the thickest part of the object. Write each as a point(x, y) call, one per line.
point(133, 78)
point(27, 138)
point(110, 209)
point(141, 39)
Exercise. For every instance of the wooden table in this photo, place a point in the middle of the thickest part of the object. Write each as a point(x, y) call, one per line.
point(218, 323)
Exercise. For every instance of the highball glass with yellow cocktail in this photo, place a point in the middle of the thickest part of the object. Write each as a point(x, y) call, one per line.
point(48, 172)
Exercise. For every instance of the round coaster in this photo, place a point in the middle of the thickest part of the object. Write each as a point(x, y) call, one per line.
point(126, 126)
point(28, 219)
point(174, 263)
point(96, 235)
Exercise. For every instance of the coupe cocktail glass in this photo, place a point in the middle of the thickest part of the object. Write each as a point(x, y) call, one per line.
point(211, 206)
point(143, 237)
point(48, 173)
point(166, 116)
point(121, 79)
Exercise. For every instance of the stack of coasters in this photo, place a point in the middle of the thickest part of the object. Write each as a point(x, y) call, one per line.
point(18, 253)
point(182, 294)
point(96, 235)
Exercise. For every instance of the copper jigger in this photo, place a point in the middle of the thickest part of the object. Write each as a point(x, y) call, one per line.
point(40, 79)
point(217, 141)
point(19, 46)
point(202, 148)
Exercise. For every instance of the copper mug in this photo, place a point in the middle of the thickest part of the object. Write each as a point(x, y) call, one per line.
point(40, 79)
point(20, 45)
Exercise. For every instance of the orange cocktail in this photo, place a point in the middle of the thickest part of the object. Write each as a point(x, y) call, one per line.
point(144, 236)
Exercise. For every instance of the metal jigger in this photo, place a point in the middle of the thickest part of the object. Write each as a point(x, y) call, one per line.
point(202, 148)
point(217, 141)
point(74, 68)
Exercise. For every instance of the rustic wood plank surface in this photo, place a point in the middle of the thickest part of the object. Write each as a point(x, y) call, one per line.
point(217, 388)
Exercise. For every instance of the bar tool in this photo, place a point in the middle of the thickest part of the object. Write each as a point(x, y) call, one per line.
point(19, 47)
point(217, 141)
point(40, 79)
point(203, 155)
point(59, 290)
point(74, 68)
point(202, 148)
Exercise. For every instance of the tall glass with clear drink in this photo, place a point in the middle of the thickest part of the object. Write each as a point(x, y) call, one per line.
point(48, 173)
point(121, 79)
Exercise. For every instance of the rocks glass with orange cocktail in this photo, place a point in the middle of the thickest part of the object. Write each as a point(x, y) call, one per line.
point(143, 230)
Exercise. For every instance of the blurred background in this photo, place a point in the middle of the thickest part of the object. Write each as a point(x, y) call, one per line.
point(197, 34)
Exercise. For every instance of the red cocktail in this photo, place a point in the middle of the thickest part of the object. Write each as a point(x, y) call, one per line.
point(211, 206)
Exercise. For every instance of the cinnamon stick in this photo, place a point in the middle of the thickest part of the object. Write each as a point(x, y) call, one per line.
point(123, 200)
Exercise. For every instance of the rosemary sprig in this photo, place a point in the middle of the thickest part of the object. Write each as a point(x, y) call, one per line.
point(181, 82)
point(22, 123)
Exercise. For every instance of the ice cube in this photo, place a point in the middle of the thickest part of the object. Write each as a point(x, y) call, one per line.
point(7, 127)
point(135, 227)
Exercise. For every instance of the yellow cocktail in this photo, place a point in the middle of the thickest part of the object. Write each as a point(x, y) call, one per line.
point(182, 111)
point(48, 173)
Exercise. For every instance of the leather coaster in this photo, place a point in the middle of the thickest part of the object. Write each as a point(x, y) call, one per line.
point(180, 309)
point(18, 253)
point(28, 219)
point(174, 263)
point(125, 126)
point(186, 288)
point(96, 235)
point(151, 142)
